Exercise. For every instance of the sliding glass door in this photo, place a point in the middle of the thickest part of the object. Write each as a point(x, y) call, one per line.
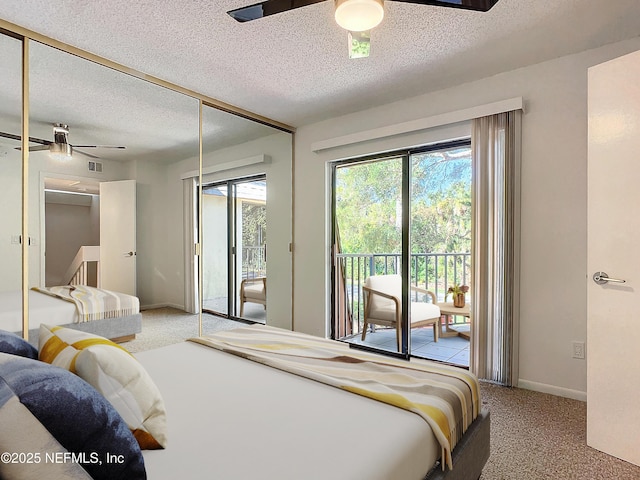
point(401, 239)
point(234, 235)
point(215, 248)
point(368, 253)
point(440, 206)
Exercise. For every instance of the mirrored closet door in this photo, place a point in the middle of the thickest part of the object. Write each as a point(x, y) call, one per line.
point(246, 192)
point(118, 160)
point(10, 184)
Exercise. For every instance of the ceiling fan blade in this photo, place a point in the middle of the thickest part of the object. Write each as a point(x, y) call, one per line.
point(39, 148)
point(36, 149)
point(31, 139)
point(269, 7)
point(85, 153)
point(10, 135)
point(479, 5)
point(98, 146)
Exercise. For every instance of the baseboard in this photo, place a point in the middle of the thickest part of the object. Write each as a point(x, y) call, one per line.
point(553, 390)
point(161, 305)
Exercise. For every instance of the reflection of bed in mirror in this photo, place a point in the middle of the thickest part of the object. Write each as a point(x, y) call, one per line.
point(50, 310)
point(296, 427)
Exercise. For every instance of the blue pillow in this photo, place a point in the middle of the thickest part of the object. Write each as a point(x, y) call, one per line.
point(15, 345)
point(56, 416)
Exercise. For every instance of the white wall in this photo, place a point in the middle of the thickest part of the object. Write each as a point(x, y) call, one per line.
point(214, 239)
point(94, 217)
point(157, 250)
point(68, 227)
point(170, 209)
point(553, 216)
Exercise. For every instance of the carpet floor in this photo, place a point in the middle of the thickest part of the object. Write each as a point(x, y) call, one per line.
point(538, 436)
point(165, 326)
point(534, 435)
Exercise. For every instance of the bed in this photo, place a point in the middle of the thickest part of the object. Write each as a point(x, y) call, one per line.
point(48, 309)
point(233, 418)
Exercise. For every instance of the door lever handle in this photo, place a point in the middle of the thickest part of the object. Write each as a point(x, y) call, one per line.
point(129, 254)
point(602, 278)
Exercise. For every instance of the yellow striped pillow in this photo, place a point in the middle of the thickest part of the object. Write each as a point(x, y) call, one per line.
point(60, 346)
point(115, 373)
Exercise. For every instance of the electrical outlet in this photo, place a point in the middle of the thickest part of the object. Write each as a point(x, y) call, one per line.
point(578, 350)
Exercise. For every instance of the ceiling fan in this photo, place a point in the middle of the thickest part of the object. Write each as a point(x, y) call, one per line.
point(352, 15)
point(356, 16)
point(60, 146)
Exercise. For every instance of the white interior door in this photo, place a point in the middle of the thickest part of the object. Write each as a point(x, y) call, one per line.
point(613, 324)
point(118, 236)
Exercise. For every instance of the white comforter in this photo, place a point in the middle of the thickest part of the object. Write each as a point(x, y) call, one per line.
point(230, 418)
point(42, 309)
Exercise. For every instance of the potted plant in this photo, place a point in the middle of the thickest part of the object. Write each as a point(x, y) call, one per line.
point(458, 292)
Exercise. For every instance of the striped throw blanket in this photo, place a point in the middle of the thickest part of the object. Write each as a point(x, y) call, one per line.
point(447, 398)
point(94, 303)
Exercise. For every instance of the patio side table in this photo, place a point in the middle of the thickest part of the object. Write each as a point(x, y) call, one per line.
point(447, 310)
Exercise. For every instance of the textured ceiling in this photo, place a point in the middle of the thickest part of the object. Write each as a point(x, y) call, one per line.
point(292, 67)
point(102, 106)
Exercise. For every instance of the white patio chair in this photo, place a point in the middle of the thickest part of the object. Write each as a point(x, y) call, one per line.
point(383, 306)
point(253, 290)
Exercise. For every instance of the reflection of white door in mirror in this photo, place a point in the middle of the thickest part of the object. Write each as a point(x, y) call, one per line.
point(118, 236)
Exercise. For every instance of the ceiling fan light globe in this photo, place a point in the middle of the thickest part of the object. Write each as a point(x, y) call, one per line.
point(359, 15)
point(61, 151)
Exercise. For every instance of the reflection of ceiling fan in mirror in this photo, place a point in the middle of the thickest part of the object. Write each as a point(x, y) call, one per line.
point(60, 147)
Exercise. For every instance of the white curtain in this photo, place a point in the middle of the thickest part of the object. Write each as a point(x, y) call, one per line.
point(191, 297)
point(495, 251)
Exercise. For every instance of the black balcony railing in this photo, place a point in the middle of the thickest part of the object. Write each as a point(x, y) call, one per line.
point(434, 271)
point(253, 262)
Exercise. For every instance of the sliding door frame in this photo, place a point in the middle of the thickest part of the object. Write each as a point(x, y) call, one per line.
point(25, 187)
point(232, 242)
point(403, 156)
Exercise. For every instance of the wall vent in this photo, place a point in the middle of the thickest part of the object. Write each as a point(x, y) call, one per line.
point(95, 167)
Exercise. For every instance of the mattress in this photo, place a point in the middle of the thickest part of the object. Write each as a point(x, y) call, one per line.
point(235, 419)
point(50, 310)
point(42, 309)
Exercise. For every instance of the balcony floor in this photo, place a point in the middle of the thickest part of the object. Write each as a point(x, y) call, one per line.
point(453, 350)
point(252, 311)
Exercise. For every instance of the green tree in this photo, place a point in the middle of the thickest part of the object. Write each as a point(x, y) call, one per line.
point(254, 223)
point(368, 197)
point(369, 204)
